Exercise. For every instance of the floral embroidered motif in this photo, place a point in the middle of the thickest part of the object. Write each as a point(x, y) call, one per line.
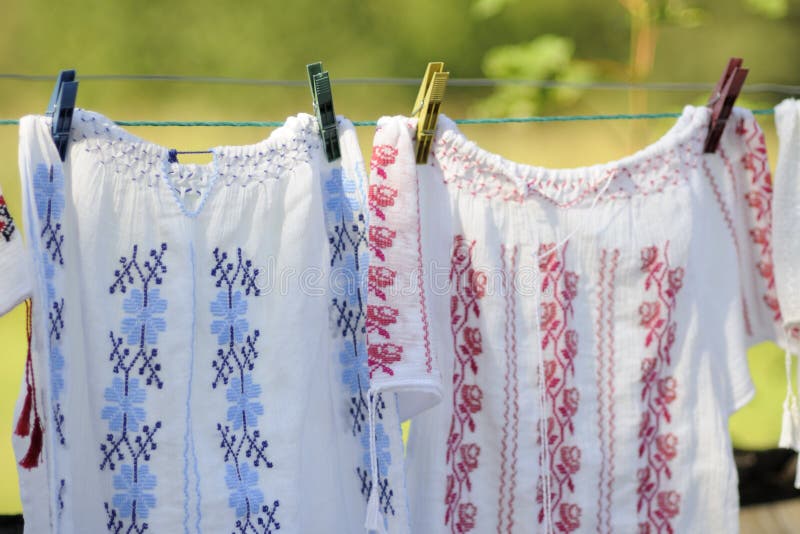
point(560, 347)
point(759, 200)
point(382, 156)
point(347, 236)
point(462, 456)
point(131, 441)
point(6, 222)
point(240, 437)
point(381, 355)
point(656, 504)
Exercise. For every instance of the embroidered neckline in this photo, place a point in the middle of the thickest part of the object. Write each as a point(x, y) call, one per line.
point(128, 156)
point(663, 163)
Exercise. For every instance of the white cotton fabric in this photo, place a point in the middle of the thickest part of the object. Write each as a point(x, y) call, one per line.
point(608, 308)
point(199, 341)
point(787, 216)
point(787, 252)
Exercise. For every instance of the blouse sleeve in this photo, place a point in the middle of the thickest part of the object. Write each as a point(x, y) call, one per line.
point(752, 215)
point(398, 325)
point(786, 209)
point(15, 271)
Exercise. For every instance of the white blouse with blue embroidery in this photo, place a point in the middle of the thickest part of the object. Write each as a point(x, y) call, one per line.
point(199, 336)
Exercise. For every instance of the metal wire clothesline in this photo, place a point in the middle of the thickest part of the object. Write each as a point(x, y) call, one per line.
point(776, 88)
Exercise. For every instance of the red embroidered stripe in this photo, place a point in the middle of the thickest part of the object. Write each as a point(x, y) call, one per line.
point(605, 387)
point(462, 455)
point(657, 505)
point(759, 200)
point(381, 354)
point(560, 347)
point(508, 470)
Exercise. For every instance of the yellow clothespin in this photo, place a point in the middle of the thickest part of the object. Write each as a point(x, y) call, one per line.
point(426, 107)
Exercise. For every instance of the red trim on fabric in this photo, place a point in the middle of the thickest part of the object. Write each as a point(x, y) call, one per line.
point(611, 391)
point(421, 277)
point(600, 375)
point(606, 391)
point(510, 400)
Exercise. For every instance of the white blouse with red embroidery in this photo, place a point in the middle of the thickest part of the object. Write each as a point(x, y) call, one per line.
point(586, 329)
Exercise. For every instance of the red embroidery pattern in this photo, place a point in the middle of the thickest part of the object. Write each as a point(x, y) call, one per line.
point(6, 222)
point(759, 199)
point(505, 513)
point(382, 156)
point(605, 387)
point(381, 196)
point(381, 356)
point(656, 505)
point(560, 345)
point(462, 456)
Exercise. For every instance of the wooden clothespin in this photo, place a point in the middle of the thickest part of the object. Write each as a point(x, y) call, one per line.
point(323, 107)
point(61, 108)
point(426, 107)
point(722, 100)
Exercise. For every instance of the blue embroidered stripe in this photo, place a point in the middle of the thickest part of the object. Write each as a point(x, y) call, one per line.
point(130, 441)
point(245, 449)
point(347, 235)
point(48, 196)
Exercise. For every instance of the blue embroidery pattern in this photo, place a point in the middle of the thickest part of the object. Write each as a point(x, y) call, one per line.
point(131, 440)
point(347, 236)
point(48, 193)
point(236, 356)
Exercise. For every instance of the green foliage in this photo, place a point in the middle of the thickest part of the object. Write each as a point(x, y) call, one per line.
point(547, 58)
point(773, 9)
point(682, 15)
point(489, 8)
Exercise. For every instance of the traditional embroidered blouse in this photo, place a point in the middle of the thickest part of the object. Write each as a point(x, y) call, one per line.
point(199, 348)
point(587, 327)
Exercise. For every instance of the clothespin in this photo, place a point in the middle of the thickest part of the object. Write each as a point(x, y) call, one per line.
point(323, 106)
point(722, 100)
point(61, 108)
point(426, 107)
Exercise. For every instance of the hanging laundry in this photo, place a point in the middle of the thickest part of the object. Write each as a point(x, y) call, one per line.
point(198, 336)
point(587, 328)
point(787, 249)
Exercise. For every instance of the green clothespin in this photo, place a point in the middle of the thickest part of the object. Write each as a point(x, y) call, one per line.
point(320, 84)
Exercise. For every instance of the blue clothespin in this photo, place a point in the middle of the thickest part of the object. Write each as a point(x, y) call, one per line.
point(61, 108)
point(323, 106)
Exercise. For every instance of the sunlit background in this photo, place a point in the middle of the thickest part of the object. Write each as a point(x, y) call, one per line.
point(578, 42)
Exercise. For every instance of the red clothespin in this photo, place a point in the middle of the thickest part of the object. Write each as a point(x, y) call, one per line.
point(722, 99)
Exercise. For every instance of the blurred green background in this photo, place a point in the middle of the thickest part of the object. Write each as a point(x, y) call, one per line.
point(569, 40)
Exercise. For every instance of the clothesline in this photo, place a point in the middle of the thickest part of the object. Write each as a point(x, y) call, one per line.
point(554, 118)
point(452, 82)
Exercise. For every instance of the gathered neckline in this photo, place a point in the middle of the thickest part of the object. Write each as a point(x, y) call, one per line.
point(663, 163)
point(127, 155)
